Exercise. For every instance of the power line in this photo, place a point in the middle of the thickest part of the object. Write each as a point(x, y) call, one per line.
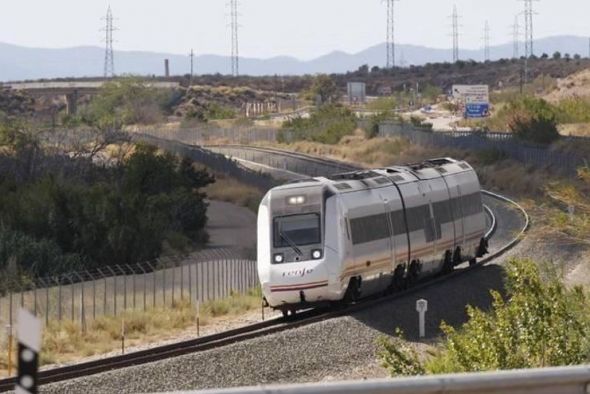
point(109, 55)
point(486, 42)
point(529, 41)
point(235, 52)
point(390, 41)
point(455, 34)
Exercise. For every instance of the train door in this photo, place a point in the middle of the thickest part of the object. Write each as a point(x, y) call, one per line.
point(430, 231)
point(386, 209)
point(458, 208)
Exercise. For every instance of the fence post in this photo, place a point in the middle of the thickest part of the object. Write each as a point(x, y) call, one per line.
point(124, 287)
point(144, 286)
point(93, 295)
point(133, 283)
point(58, 298)
point(181, 281)
point(104, 297)
point(190, 282)
point(114, 290)
point(72, 295)
point(154, 284)
point(82, 304)
point(164, 286)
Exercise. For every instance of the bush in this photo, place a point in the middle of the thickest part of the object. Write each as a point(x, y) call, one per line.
point(538, 130)
point(533, 120)
point(124, 102)
point(540, 324)
point(326, 125)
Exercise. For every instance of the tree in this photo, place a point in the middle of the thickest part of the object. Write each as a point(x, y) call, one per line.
point(556, 55)
point(577, 56)
point(544, 56)
point(363, 70)
point(325, 88)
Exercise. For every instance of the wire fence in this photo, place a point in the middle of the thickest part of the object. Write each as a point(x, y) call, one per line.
point(539, 156)
point(109, 291)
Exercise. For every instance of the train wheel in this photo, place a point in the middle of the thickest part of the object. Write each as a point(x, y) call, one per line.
point(413, 274)
point(483, 248)
point(352, 292)
point(448, 265)
point(457, 259)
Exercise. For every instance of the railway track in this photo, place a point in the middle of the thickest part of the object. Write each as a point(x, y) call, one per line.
point(276, 325)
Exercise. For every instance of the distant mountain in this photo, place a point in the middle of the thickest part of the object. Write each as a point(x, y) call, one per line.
point(20, 63)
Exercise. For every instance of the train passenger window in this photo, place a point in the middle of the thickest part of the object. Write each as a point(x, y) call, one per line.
point(298, 230)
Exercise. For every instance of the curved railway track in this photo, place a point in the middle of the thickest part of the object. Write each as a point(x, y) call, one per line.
point(277, 325)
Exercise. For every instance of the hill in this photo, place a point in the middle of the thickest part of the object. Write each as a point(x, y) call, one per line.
point(22, 63)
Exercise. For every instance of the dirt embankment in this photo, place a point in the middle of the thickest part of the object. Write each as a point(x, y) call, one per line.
point(203, 101)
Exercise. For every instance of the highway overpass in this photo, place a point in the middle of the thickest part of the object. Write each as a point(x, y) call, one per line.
point(72, 90)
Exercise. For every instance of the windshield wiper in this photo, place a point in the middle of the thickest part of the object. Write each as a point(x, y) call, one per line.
point(291, 243)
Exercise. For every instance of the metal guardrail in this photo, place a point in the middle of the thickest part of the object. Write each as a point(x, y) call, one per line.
point(562, 380)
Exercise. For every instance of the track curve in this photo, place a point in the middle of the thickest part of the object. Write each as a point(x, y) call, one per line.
point(501, 228)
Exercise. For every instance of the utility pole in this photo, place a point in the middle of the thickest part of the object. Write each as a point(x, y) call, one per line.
point(455, 34)
point(390, 42)
point(529, 36)
point(486, 42)
point(192, 56)
point(516, 38)
point(109, 56)
point(235, 52)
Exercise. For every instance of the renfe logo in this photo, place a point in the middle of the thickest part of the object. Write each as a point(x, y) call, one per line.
point(297, 273)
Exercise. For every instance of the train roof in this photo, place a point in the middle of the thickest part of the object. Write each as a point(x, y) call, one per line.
point(381, 177)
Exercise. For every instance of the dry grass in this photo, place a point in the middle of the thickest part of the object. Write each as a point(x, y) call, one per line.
point(357, 149)
point(233, 191)
point(66, 341)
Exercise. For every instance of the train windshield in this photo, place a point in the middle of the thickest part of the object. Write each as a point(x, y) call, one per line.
point(297, 230)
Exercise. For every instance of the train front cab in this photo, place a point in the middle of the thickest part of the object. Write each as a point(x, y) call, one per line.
point(298, 247)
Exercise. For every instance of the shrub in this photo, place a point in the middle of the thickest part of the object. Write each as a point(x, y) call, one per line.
point(534, 129)
point(326, 125)
point(541, 323)
point(533, 120)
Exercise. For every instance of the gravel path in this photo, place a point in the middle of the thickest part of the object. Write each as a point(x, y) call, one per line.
point(337, 349)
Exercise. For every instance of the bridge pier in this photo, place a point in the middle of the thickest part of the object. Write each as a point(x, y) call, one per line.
point(72, 102)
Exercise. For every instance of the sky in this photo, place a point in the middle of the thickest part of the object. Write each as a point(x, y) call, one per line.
point(301, 28)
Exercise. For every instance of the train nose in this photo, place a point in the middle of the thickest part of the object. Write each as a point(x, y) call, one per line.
point(300, 283)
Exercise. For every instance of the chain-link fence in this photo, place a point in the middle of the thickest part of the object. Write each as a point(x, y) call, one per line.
point(85, 295)
point(538, 156)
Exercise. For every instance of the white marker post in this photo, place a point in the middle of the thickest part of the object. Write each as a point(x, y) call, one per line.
point(29, 346)
point(422, 307)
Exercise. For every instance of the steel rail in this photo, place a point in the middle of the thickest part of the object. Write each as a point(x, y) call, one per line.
point(259, 329)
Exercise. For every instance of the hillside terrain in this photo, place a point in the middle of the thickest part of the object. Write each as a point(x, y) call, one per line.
point(19, 63)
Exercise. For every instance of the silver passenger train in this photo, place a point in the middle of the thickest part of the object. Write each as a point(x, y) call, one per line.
point(351, 235)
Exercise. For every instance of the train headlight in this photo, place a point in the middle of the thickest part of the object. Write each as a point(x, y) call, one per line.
point(279, 258)
point(316, 254)
point(296, 200)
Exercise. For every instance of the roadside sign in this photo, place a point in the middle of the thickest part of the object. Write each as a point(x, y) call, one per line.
point(421, 308)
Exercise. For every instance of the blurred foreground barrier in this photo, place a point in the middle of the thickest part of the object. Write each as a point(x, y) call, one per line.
point(562, 380)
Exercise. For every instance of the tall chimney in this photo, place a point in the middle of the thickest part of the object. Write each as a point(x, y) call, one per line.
point(167, 68)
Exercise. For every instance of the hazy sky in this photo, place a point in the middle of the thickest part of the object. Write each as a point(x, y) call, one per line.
point(300, 28)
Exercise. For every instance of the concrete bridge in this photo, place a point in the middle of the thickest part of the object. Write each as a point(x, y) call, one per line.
point(73, 89)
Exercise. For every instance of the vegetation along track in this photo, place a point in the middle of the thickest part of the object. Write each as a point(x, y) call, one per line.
point(498, 227)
